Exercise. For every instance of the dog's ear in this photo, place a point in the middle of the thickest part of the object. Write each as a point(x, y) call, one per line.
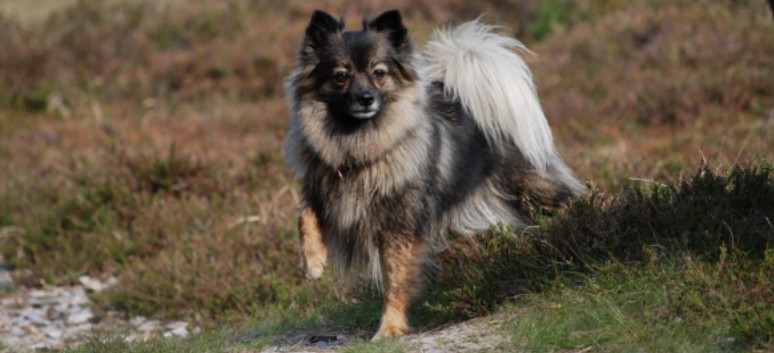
point(392, 23)
point(320, 27)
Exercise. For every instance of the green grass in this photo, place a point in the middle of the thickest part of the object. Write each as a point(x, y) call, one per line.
point(550, 15)
point(210, 342)
point(592, 278)
point(144, 141)
point(665, 305)
point(698, 216)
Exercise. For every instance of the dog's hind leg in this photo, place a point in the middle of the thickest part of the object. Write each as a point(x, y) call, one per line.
point(311, 248)
point(402, 258)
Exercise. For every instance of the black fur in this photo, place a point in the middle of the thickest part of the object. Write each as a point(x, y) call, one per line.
point(420, 165)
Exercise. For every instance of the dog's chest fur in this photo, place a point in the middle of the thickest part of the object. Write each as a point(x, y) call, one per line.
point(386, 195)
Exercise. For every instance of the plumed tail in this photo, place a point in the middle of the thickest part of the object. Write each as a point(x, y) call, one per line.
point(479, 67)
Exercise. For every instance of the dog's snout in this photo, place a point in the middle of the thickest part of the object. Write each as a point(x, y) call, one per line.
point(365, 98)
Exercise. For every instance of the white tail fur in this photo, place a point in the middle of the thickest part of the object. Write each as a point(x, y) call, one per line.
point(480, 68)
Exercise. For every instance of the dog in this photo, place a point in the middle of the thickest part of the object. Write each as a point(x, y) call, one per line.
point(395, 148)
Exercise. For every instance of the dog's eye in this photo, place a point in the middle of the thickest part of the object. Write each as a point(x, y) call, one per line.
point(341, 77)
point(379, 74)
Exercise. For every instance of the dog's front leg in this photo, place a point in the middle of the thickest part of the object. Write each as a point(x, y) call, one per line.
point(311, 247)
point(402, 258)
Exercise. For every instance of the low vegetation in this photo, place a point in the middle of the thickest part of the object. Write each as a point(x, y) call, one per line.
point(689, 263)
point(143, 140)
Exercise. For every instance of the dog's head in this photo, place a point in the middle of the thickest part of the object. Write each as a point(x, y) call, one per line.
point(357, 73)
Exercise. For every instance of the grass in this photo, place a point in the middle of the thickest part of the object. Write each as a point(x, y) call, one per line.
point(700, 217)
point(663, 306)
point(591, 279)
point(209, 342)
point(144, 141)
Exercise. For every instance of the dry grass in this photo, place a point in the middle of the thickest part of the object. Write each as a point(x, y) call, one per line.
point(651, 90)
point(134, 135)
point(27, 11)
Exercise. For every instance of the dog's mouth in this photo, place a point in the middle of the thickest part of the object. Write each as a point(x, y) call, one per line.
point(364, 111)
point(363, 114)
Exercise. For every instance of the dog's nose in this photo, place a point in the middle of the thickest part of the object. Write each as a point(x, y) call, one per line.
point(365, 98)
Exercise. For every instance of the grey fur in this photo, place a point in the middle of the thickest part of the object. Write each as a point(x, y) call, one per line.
point(427, 164)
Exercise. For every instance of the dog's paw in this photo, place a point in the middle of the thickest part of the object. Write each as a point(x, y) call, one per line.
point(393, 325)
point(313, 252)
point(314, 271)
point(390, 332)
point(311, 274)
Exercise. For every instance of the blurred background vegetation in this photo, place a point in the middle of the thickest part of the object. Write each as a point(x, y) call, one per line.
point(142, 139)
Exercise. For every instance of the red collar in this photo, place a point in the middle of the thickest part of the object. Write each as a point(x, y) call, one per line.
point(343, 169)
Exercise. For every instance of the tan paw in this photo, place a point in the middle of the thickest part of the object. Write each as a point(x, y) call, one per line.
point(390, 331)
point(311, 248)
point(393, 324)
point(314, 270)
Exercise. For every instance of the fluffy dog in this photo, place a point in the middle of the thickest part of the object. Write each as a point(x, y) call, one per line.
point(395, 148)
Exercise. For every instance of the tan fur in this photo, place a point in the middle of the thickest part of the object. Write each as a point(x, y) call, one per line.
point(402, 270)
point(310, 244)
point(455, 146)
point(308, 130)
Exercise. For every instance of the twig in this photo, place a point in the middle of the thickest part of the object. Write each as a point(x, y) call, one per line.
point(243, 220)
